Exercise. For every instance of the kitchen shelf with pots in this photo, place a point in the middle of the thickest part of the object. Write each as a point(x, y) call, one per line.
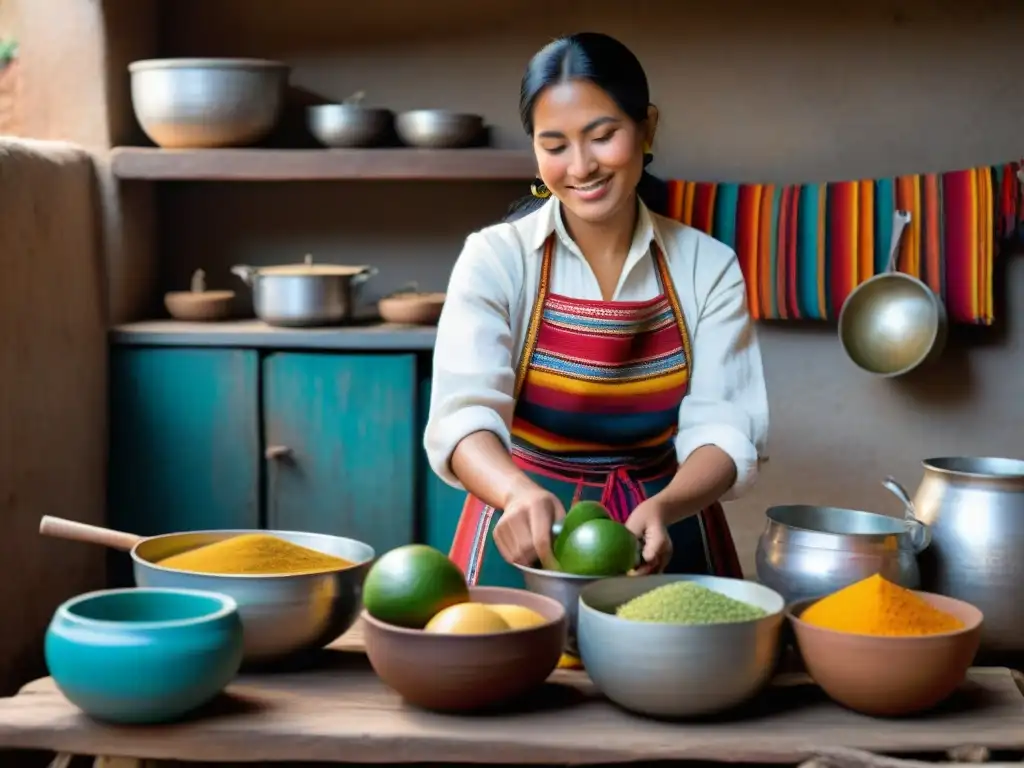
point(386, 164)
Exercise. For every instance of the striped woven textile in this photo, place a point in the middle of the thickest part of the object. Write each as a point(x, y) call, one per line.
point(803, 248)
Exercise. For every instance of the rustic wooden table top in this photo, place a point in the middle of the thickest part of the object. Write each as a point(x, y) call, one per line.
point(340, 712)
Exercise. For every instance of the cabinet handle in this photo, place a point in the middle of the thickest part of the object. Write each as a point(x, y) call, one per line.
point(277, 452)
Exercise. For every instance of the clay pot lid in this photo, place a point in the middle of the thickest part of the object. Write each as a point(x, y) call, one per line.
point(307, 268)
point(411, 293)
point(197, 290)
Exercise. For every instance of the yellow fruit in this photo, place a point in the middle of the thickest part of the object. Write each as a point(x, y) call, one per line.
point(467, 619)
point(518, 616)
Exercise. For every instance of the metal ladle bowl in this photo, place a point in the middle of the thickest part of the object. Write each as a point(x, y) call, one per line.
point(892, 322)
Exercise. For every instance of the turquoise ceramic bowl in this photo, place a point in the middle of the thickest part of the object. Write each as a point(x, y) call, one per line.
point(144, 655)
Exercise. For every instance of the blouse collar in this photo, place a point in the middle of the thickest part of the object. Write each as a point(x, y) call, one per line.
point(549, 219)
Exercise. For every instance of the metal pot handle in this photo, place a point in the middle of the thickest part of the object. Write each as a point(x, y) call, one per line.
point(362, 277)
point(920, 533)
point(248, 274)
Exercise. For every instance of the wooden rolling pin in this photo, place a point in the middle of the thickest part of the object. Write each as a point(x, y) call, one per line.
point(59, 528)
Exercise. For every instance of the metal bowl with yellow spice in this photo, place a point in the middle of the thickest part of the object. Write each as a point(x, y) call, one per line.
point(883, 650)
point(296, 592)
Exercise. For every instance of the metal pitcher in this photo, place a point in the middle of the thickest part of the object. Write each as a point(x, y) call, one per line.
point(974, 508)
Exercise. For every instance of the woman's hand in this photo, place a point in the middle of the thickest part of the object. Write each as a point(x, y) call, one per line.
point(647, 523)
point(523, 534)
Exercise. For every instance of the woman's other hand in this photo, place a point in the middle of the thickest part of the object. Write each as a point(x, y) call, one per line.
point(523, 534)
point(647, 523)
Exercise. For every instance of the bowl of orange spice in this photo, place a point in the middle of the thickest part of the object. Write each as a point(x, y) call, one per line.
point(886, 651)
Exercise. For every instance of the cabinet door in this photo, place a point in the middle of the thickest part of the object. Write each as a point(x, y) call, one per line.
point(340, 432)
point(442, 504)
point(184, 440)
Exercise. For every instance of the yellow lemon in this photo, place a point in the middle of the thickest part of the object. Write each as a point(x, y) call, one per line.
point(466, 619)
point(518, 616)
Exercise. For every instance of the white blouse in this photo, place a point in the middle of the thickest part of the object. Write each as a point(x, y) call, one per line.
point(483, 327)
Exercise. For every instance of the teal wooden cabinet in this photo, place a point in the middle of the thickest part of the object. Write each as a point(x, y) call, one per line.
point(442, 504)
point(341, 439)
point(184, 441)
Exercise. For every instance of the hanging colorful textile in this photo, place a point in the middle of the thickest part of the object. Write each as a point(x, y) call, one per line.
point(803, 248)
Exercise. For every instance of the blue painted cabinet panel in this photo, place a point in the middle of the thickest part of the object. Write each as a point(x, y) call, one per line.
point(349, 427)
point(442, 504)
point(184, 440)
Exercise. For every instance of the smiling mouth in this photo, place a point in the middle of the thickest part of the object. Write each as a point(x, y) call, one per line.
point(592, 185)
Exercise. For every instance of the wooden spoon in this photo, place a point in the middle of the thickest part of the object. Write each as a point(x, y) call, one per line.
point(59, 528)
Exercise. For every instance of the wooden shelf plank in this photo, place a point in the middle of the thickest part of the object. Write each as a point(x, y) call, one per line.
point(361, 336)
point(322, 164)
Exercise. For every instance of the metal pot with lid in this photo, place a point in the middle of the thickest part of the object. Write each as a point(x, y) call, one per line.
point(974, 507)
point(304, 295)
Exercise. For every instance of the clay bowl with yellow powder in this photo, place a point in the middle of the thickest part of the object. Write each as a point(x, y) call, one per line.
point(296, 592)
point(886, 651)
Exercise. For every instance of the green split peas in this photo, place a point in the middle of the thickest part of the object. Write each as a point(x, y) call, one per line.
point(685, 602)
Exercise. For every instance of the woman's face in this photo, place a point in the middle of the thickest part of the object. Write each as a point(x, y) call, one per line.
point(589, 152)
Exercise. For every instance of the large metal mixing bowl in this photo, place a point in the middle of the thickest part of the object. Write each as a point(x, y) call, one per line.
point(283, 615)
point(563, 587)
point(808, 551)
point(891, 324)
point(671, 670)
point(205, 103)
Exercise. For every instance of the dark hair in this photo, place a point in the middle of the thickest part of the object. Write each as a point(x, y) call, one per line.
point(608, 64)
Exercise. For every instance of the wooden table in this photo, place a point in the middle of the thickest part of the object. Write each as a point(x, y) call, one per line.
point(340, 712)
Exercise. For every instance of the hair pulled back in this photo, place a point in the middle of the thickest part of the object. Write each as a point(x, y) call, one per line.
point(612, 67)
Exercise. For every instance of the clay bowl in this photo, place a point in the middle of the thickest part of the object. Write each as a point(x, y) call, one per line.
point(889, 676)
point(453, 673)
point(412, 308)
point(200, 307)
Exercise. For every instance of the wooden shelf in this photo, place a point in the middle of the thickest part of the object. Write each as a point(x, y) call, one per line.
point(363, 336)
point(322, 164)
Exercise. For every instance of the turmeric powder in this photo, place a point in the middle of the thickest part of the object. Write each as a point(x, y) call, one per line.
point(875, 606)
point(254, 554)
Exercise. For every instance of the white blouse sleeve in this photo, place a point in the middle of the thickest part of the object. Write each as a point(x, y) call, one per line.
point(473, 379)
point(727, 403)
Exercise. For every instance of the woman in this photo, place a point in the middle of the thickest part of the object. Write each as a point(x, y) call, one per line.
point(590, 348)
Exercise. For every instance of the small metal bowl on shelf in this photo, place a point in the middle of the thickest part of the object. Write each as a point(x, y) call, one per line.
point(350, 125)
point(207, 103)
point(197, 304)
point(439, 129)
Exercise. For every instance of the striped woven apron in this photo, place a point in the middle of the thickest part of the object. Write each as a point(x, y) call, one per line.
point(598, 389)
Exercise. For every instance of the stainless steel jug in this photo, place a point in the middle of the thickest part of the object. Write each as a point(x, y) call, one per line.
point(975, 510)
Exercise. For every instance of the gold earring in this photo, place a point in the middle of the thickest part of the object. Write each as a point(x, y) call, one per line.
point(538, 190)
point(647, 148)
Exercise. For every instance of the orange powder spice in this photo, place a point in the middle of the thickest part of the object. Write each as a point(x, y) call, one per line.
point(875, 606)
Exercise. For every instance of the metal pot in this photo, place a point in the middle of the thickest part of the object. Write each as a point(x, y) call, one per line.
point(975, 510)
point(807, 551)
point(304, 295)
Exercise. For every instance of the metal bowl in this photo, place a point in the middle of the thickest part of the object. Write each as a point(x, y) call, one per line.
point(891, 324)
point(438, 128)
point(350, 125)
point(205, 103)
point(808, 551)
point(669, 670)
point(283, 615)
point(563, 587)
